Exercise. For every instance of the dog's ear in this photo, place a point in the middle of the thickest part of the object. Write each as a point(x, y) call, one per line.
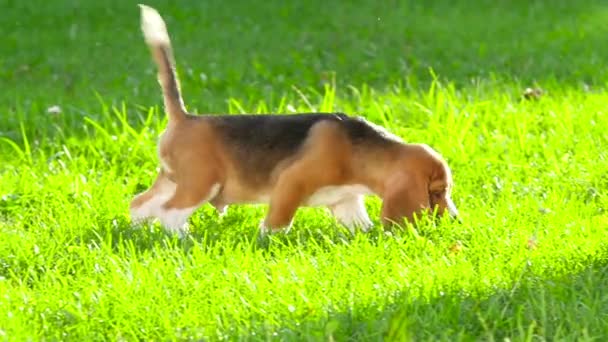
point(405, 195)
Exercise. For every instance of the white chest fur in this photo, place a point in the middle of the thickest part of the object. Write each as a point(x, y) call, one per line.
point(330, 195)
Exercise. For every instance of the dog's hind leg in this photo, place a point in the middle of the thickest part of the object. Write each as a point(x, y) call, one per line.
point(146, 205)
point(189, 194)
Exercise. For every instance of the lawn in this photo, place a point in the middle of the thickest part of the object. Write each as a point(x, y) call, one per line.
point(80, 112)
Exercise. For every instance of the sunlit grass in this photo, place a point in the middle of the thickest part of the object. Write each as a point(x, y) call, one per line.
point(530, 200)
point(529, 261)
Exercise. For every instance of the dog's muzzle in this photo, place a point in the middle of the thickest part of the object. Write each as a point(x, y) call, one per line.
point(452, 210)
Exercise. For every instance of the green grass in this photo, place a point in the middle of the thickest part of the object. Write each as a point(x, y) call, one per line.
point(529, 261)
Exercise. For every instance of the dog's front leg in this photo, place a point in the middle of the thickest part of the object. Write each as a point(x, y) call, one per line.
point(289, 192)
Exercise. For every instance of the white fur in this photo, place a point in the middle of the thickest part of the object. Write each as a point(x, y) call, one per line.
point(351, 212)
point(324, 196)
point(264, 230)
point(346, 204)
point(165, 166)
point(152, 207)
point(452, 208)
point(344, 201)
point(215, 189)
point(174, 220)
point(153, 26)
point(221, 210)
point(330, 195)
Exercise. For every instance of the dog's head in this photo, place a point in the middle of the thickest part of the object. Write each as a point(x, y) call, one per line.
point(420, 183)
point(440, 189)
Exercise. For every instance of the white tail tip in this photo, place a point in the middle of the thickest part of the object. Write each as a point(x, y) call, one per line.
point(153, 26)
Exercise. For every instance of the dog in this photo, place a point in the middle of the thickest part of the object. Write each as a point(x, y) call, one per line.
point(330, 160)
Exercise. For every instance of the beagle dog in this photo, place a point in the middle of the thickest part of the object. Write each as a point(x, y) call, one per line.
point(287, 161)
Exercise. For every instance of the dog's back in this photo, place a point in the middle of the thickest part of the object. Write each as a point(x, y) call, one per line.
point(261, 142)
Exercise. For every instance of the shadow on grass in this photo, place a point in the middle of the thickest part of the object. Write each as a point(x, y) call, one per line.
point(313, 229)
point(221, 236)
point(570, 307)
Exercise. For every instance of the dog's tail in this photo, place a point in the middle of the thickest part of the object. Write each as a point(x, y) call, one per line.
point(157, 39)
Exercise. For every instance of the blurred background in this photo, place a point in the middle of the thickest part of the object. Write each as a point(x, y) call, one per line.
point(63, 51)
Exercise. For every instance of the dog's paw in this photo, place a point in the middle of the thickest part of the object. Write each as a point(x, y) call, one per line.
point(352, 214)
point(266, 230)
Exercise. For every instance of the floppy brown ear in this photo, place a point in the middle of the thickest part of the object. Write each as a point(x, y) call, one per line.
point(405, 195)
